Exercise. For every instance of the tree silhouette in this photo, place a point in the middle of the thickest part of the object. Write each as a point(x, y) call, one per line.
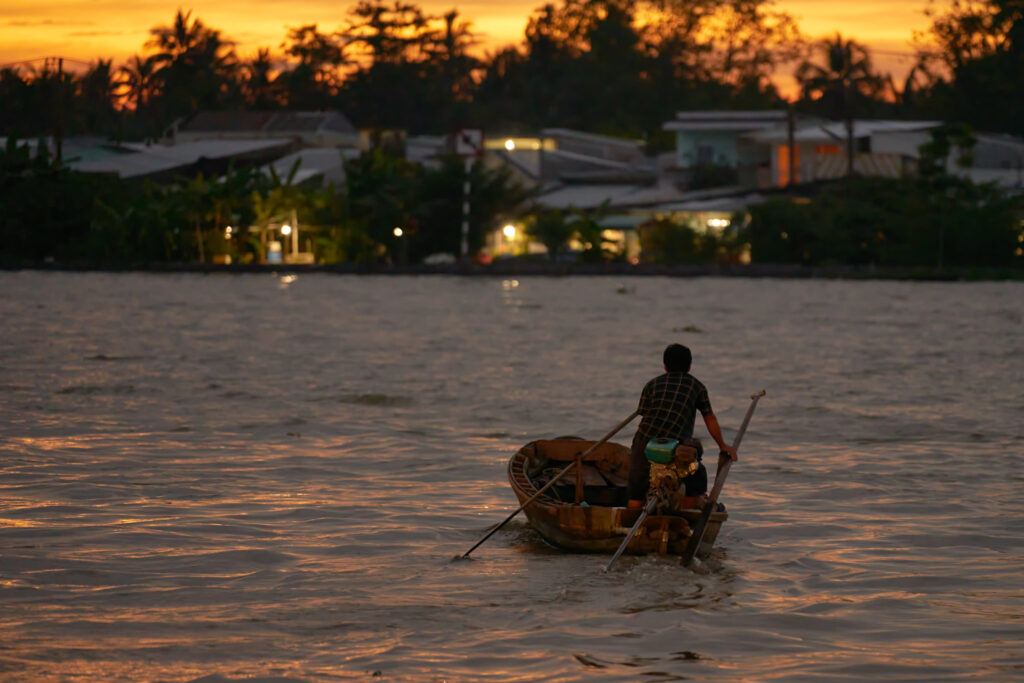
point(139, 81)
point(314, 80)
point(974, 53)
point(261, 87)
point(448, 70)
point(195, 66)
point(96, 92)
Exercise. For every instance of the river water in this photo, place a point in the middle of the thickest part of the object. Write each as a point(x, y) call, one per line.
point(227, 477)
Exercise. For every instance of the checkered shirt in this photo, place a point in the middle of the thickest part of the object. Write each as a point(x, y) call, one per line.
point(669, 404)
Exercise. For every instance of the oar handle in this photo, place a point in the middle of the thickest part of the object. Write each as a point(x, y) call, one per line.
point(754, 398)
point(558, 476)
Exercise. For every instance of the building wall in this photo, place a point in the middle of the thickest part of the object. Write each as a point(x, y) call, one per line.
point(694, 148)
point(998, 154)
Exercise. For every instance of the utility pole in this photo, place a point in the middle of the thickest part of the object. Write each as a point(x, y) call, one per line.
point(469, 144)
point(791, 140)
point(58, 134)
point(467, 188)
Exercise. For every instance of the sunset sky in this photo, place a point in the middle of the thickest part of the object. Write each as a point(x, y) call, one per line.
point(86, 29)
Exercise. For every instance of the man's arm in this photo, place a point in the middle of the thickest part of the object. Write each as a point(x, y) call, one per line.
point(716, 433)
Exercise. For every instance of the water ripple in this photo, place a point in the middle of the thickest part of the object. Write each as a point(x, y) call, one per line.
point(209, 478)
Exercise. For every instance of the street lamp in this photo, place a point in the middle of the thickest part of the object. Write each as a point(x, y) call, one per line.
point(397, 232)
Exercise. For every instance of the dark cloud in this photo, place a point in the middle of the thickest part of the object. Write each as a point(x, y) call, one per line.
point(87, 34)
point(47, 22)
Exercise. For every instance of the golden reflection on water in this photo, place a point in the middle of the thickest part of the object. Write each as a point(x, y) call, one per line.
point(19, 523)
point(264, 484)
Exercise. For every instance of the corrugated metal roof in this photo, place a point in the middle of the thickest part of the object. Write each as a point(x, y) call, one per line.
point(735, 121)
point(152, 159)
point(312, 162)
point(228, 121)
point(590, 137)
point(831, 132)
point(271, 122)
point(735, 115)
point(617, 196)
point(716, 204)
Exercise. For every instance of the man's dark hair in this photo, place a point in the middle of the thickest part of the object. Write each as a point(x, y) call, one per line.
point(677, 358)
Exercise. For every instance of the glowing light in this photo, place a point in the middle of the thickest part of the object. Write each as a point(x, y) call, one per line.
point(509, 231)
point(718, 222)
point(286, 229)
point(398, 232)
point(510, 144)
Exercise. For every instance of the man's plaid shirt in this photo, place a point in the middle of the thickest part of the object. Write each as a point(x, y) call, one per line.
point(669, 404)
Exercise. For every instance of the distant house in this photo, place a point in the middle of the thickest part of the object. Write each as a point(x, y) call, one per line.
point(714, 138)
point(559, 156)
point(610, 179)
point(881, 148)
point(309, 128)
point(210, 142)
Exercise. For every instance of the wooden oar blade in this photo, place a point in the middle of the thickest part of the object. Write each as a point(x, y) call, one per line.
point(639, 520)
point(697, 535)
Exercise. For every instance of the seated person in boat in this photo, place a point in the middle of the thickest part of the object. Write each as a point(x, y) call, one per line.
point(668, 408)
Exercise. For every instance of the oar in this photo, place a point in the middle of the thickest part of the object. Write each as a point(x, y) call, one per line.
point(639, 520)
point(697, 535)
point(558, 476)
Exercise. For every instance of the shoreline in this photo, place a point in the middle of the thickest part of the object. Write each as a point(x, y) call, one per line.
point(523, 269)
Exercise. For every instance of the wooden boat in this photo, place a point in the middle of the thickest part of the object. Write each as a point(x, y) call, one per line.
point(601, 521)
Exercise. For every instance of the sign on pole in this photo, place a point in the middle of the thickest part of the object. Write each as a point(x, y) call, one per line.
point(469, 142)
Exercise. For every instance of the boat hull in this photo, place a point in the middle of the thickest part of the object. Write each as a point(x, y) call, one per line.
point(602, 523)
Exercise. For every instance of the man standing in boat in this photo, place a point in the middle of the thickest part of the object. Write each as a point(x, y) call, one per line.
point(668, 408)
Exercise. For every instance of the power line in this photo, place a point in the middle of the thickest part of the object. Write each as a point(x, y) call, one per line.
point(45, 59)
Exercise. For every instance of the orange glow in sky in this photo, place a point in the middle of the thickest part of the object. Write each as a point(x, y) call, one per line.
point(87, 29)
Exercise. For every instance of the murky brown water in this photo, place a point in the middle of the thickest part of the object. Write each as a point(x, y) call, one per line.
point(258, 476)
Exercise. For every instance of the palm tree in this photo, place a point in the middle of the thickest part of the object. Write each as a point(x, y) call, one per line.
point(97, 94)
point(261, 90)
point(137, 81)
point(314, 80)
point(845, 77)
point(194, 64)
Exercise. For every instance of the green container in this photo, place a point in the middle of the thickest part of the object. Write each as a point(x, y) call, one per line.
point(661, 450)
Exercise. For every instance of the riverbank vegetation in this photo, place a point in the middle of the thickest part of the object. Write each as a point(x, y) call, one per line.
point(53, 213)
point(604, 66)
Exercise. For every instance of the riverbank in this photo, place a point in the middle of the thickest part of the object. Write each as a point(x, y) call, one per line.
point(533, 268)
